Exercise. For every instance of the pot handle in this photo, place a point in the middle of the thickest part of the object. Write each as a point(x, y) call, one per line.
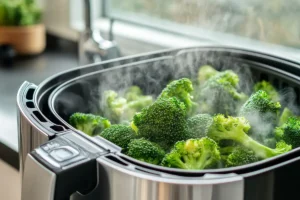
point(34, 128)
point(28, 109)
point(59, 168)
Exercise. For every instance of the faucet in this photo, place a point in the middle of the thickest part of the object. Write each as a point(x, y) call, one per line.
point(92, 46)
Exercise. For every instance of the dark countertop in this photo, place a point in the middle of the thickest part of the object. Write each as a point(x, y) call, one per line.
point(58, 56)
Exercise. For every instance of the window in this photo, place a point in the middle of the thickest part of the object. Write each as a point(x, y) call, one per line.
point(273, 22)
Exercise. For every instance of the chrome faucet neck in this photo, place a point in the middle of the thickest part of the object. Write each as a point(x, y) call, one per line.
point(88, 15)
point(92, 46)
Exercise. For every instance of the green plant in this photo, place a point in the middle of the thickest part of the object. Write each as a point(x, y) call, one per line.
point(19, 13)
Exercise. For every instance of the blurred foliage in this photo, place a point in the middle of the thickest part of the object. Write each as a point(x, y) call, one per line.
point(270, 21)
point(19, 13)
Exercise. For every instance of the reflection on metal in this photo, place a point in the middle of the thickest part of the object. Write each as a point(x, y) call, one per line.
point(127, 184)
point(38, 182)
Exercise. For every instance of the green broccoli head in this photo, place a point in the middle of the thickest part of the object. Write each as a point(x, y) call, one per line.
point(289, 132)
point(205, 72)
point(146, 151)
point(193, 154)
point(261, 112)
point(240, 156)
point(268, 88)
point(181, 89)
point(113, 105)
point(120, 135)
point(261, 102)
point(163, 122)
point(89, 123)
point(219, 93)
point(236, 129)
point(118, 108)
point(198, 125)
point(283, 146)
point(133, 93)
point(136, 105)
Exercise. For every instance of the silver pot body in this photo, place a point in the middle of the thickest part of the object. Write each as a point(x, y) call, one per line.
point(129, 183)
point(117, 179)
point(132, 181)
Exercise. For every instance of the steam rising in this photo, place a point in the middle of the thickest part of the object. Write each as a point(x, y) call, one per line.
point(154, 74)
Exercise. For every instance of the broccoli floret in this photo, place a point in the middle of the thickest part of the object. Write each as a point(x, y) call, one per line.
point(146, 151)
point(181, 89)
point(285, 115)
point(236, 129)
point(262, 114)
point(219, 94)
point(118, 108)
point(205, 72)
point(193, 154)
point(89, 123)
point(163, 122)
point(198, 125)
point(268, 88)
point(240, 156)
point(133, 93)
point(113, 105)
point(135, 106)
point(289, 132)
point(120, 135)
point(260, 103)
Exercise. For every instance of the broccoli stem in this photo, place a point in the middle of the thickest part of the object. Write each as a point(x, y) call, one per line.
point(204, 161)
point(180, 164)
point(259, 149)
point(192, 163)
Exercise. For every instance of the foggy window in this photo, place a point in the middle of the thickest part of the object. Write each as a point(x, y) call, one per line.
point(274, 21)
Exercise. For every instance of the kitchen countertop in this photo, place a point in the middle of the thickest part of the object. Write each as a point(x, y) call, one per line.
point(58, 56)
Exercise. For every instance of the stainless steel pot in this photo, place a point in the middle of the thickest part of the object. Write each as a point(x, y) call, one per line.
point(70, 163)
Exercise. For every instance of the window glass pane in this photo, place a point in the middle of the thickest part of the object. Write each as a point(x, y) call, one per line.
point(273, 21)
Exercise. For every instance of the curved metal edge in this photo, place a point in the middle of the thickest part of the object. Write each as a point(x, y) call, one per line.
point(130, 169)
point(23, 109)
point(31, 132)
point(272, 167)
point(25, 126)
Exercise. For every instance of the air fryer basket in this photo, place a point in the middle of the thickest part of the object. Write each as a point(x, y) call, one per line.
point(83, 93)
